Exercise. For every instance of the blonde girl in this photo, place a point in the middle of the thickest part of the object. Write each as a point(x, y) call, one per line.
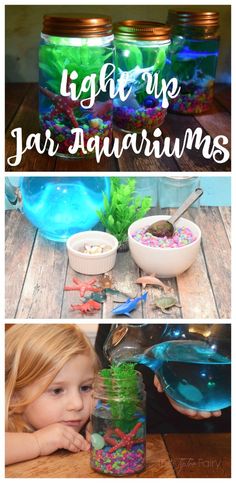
point(50, 370)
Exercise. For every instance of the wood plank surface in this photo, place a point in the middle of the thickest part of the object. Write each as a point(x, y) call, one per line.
point(27, 119)
point(43, 288)
point(215, 246)
point(200, 455)
point(19, 242)
point(216, 123)
point(195, 289)
point(63, 464)
point(225, 212)
point(223, 95)
point(168, 456)
point(22, 111)
point(37, 272)
point(192, 159)
point(14, 98)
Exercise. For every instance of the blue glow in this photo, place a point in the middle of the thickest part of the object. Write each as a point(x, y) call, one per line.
point(60, 207)
point(187, 54)
point(191, 373)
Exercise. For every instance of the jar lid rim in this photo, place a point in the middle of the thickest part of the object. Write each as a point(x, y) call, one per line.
point(193, 18)
point(77, 25)
point(141, 30)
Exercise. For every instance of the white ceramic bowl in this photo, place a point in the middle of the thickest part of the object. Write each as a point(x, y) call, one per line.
point(164, 262)
point(91, 264)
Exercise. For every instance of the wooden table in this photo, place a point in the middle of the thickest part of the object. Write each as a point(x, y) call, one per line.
point(37, 271)
point(168, 456)
point(22, 111)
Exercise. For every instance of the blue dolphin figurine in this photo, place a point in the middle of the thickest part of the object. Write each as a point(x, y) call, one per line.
point(128, 305)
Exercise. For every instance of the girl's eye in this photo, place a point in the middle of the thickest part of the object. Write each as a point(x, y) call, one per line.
point(86, 388)
point(56, 390)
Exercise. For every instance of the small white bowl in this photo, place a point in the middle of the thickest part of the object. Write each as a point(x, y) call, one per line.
point(92, 264)
point(164, 262)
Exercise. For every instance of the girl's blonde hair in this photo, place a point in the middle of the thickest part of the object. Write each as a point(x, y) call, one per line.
point(34, 351)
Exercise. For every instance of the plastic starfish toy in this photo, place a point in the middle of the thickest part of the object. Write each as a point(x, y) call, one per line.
point(63, 105)
point(83, 286)
point(126, 440)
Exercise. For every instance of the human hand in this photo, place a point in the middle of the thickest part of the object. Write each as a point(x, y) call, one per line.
point(191, 413)
point(57, 436)
point(88, 432)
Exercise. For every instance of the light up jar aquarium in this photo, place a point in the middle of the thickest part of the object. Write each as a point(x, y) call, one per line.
point(81, 46)
point(60, 207)
point(194, 54)
point(141, 49)
point(118, 438)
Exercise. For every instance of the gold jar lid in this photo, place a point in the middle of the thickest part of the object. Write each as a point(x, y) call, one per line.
point(193, 19)
point(77, 26)
point(141, 30)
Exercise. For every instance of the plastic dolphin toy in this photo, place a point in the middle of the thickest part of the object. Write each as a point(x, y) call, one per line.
point(128, 305)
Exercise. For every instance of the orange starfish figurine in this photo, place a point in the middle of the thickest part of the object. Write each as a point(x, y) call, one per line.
point(126, 440)
point(63, 105)
point(83, 286)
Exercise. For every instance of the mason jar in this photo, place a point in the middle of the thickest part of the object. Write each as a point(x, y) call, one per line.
point(118, 422)
point(174, 190)
point(193, 55)
point(140, 48)
point(82, 46)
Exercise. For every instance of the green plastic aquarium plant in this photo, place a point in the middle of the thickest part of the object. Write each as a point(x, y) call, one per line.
point(123, 208)
point(143, 57)
point(83, 59)
point(122, 388)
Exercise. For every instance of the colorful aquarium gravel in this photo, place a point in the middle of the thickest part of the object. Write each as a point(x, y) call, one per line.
point(181, 237)
point(134, 120)
point(121, 462)
point(193, 103)
point(61, 132)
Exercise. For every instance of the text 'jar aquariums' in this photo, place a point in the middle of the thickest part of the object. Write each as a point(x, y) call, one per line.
point(79, 45)
point(141, 48)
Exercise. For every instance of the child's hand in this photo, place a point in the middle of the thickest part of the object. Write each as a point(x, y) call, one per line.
point(88, 432)
point(57, 436)
point(191, 413)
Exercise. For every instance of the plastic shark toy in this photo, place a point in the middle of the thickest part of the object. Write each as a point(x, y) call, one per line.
point(128, 306)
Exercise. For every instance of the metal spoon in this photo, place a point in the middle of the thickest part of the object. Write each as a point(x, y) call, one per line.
point(163, 228)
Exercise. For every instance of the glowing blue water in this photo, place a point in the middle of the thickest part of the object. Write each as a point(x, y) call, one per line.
point(187, 53)
point(194, 61)
point(60, 207)
point(191, 373)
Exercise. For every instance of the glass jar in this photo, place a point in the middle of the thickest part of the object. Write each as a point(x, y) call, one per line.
point(118, 422)
point(193, 55)
point(141, 48)
point(81, 45)
point(59, 206)
point(174, 190)
point(192, 361)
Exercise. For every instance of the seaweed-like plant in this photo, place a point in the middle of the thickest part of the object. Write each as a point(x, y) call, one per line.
point(53, 58)
point(143, 58)
point(123, 208)
point(122, 387)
